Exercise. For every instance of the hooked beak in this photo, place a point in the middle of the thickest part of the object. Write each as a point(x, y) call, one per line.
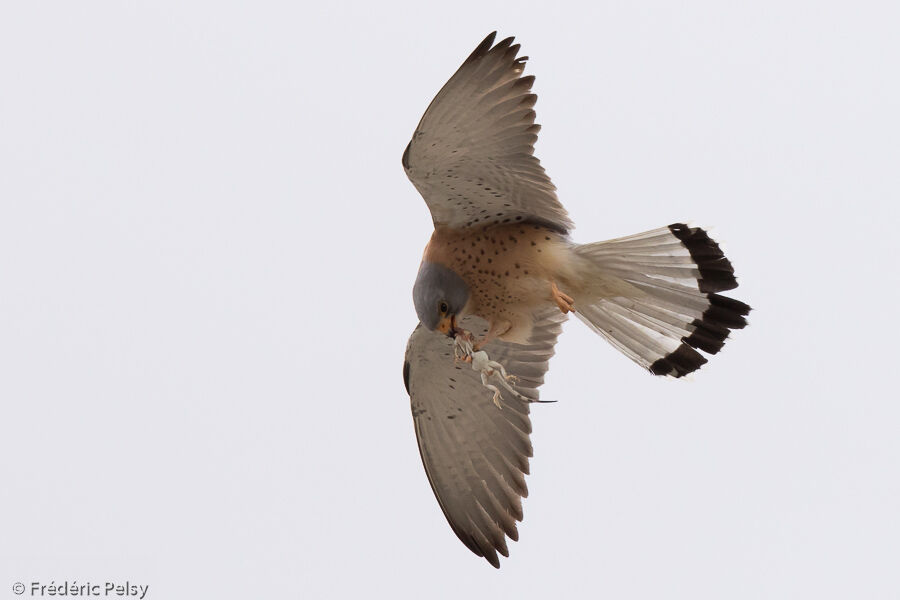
point(447, 325)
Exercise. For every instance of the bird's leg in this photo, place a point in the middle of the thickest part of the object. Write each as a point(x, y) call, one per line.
point(496, 329)
point(565, 302)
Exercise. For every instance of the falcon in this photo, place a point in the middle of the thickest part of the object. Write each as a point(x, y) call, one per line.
point(501, 265)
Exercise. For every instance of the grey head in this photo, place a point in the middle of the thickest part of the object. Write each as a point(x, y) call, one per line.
point(438, 294)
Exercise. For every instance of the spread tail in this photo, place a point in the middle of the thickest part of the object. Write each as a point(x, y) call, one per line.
point(654, 296)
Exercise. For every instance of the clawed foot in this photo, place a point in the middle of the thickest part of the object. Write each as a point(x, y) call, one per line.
point(565, 302)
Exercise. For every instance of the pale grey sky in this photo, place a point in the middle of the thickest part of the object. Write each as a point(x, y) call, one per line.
point(207, 246)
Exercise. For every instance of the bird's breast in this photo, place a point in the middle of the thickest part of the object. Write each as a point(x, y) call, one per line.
point(507, 267)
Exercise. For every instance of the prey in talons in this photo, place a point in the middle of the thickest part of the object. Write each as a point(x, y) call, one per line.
point(464, 351)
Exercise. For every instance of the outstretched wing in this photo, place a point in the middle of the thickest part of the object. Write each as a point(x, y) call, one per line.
point(472, 155)
point(476, 455)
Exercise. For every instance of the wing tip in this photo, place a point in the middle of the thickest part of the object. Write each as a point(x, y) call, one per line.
point(406, 368)
point(490, 555)
point(405, 159)
point(504, 46)
point(482, 48)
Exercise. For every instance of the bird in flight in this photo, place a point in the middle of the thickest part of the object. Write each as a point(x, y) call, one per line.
point(500, 264)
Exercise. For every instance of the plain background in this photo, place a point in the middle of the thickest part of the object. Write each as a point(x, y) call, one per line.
point(207, 247)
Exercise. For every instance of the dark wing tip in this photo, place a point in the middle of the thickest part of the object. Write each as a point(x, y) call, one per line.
point(492, 558)
point(482, 48)
point(405, 160)
point(475, 541)
point(506, 46)
point(406, 366)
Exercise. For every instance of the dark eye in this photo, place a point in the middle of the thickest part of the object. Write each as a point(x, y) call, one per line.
point(444, 308)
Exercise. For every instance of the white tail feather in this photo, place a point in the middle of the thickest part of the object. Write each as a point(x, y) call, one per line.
point(663, 302)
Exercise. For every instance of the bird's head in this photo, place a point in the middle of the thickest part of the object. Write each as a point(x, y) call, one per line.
point(440, 295)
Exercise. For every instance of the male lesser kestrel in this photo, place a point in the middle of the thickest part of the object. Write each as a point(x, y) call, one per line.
point(501, 264)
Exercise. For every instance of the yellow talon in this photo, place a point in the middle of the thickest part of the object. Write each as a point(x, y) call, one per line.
point(565, 302)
